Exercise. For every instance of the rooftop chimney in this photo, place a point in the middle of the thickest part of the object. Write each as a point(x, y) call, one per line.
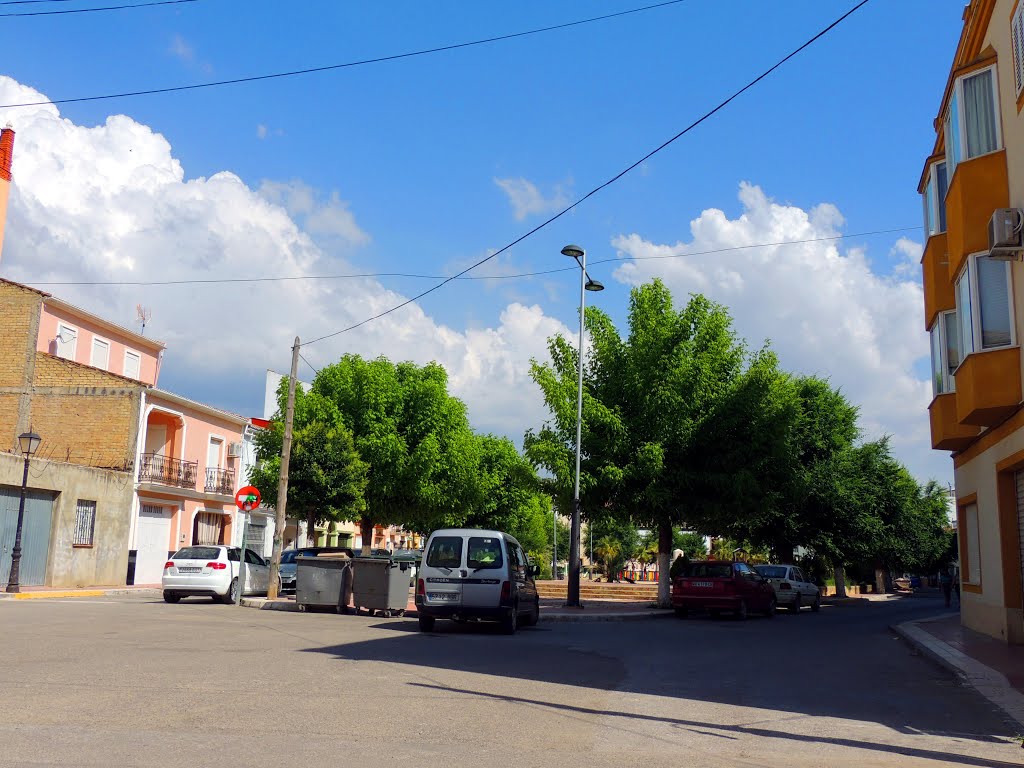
point(6, 157)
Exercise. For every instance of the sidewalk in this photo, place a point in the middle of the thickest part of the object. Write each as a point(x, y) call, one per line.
point(993, 668)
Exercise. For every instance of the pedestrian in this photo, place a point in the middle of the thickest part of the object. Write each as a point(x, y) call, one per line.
point(956, 585)
point(946, 582)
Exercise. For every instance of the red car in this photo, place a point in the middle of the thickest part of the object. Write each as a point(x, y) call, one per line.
point(720, 586)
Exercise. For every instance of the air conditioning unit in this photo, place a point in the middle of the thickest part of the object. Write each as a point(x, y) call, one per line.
point(234, 450)
point(1005, 234)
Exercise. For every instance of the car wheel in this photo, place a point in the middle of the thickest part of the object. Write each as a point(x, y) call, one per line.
point(534, 617)
point(795, 607)
point(741, 611)
point(681, 612)
point(171, 597)
point(510, 623)
point(231, 595)
point(817, 603)
point(772, 606)
point(426, 623)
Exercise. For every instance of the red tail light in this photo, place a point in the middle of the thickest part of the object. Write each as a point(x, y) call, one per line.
point(168, 564)
point(421, 588)
point(217, 566)
point(506, 593)
point(784, 585)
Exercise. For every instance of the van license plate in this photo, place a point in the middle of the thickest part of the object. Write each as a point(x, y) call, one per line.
point(444, 596)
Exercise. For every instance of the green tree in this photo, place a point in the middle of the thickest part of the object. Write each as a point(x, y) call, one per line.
point(693, 544)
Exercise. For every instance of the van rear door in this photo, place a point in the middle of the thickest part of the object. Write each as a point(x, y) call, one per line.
point(442, 571)
point(486, 567)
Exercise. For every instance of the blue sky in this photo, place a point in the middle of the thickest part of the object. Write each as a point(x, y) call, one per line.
point(411, 151)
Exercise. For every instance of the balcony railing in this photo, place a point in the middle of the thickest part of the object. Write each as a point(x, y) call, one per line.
point(157, 468)
point(220, 481)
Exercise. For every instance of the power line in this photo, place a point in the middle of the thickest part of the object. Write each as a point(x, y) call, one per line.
point(315, 369)
point(90, 10)
point(345, 65)
point(516, 276)
point(610, 181)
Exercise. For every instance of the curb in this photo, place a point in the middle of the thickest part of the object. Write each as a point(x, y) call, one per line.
point(72, 593)
point(262, 604)
point(991, 684)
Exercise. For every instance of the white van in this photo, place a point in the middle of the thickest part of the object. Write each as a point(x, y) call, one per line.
point(469, 573)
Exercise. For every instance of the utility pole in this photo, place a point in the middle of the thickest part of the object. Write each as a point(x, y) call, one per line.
point(282, 482)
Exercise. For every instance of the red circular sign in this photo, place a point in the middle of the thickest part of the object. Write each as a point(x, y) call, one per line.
point(247, 498)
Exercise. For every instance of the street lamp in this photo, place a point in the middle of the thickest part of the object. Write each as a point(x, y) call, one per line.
point(29, 443)
point(586, 284)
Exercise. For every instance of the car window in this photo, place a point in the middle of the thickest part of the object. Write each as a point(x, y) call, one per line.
point(771, 571)
point(798, 575)
point(445, 552)
point(197, 553)
point(252, 558)
point(708, 570)
point(233, 554)
point(484, 552)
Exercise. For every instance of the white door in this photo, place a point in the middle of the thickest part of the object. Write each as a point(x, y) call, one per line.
point(152, 537)
point(156, 439)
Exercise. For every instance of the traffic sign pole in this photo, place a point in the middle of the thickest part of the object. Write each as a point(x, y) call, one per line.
point(241, 558)
point(246, 499)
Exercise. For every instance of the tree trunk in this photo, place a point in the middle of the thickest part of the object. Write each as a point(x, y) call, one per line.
point(840, 574)
point(664, 564)
point(366, 531)
point(311, 528)
point(880, 581)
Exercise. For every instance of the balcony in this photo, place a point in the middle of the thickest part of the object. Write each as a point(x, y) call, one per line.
point(938, 288)
point(163, 470)
point(948, 434)
point(220, 481)
point(988, 386)
point(977, 188)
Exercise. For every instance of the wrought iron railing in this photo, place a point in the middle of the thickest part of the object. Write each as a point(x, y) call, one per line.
point(157, 468)
point(220, 481)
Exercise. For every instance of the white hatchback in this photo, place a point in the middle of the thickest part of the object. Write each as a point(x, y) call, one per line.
point(792, 587)
point(212, 570)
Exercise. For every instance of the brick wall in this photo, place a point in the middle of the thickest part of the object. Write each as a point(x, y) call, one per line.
point(19, 308)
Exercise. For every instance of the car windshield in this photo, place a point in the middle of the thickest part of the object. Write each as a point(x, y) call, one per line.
point(771, 571)
point(445, 552)
point(197, 553)
point(709, 570)
point(484, 553)
point(288, 557)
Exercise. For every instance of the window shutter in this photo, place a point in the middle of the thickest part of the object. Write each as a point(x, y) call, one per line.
point(994, 297)
point(1018, 47)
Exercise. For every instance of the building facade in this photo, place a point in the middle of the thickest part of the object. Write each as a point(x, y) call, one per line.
point(974, 307)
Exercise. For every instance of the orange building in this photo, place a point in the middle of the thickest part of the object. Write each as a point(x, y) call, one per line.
point(973, 191)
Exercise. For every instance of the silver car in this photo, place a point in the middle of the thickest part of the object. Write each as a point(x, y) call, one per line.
point(793, 589)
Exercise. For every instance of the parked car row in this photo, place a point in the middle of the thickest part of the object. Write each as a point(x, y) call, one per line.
point(722, 587)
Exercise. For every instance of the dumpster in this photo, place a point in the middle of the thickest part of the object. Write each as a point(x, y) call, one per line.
point(323, 582)
point(380, 584)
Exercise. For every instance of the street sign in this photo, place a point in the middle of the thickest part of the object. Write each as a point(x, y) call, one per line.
point(248, 498)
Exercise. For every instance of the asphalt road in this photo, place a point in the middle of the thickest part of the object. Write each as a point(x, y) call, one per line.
point(132, 681)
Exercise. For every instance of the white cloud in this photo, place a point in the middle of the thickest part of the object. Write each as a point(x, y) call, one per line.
point(527, 200)
point(180, 48)
point(823, 308)
point(261, 131)
point(111, 202)
point(907, 254)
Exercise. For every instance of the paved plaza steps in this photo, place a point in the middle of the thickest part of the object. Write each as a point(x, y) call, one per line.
point(599, 590)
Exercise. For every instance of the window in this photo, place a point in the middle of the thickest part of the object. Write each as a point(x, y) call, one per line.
point(445, 552)
point(972, 123)
point(484, 553)
point(197, 553)
point(709, 570)
point(771, 571)
point(971, 550)
point(1017, 43)
point(132, 364)
point(252, 558)
point(983, 305)
point(67, 341)
point(85, 523)
point(945, 345)
point(213, 454)
point(935, 200)
point(100, 354)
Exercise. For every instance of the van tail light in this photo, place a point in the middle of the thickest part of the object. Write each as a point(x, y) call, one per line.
point(217, 566)
point(785, 585)
point(168, 564)
point(506, 593)
point(421, 588)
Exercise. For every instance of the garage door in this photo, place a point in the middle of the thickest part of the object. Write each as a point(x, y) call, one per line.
point(35, 534)
point(152, 537)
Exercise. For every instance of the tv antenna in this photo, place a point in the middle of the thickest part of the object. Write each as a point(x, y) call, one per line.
point(143, 315)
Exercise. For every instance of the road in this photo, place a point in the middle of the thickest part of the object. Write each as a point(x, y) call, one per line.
point(133, 681)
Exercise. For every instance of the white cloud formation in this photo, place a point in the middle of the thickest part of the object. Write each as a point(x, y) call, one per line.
point(527, 200)
point(180, 48)
point(261, 131)
point(111, 202)
point(825, 310)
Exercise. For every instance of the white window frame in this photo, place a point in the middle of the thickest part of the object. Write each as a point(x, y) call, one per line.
point(972, 532)
point(221, 458)
point(92, 352)
point(971, 270)
point(947, 381)
point(938, 203)
point(61, 327)
point(958, 95)
point(1017, 46)
point(138, 356)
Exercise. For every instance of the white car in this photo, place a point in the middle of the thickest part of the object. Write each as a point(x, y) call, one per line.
point(212, 570)
point(792, 588)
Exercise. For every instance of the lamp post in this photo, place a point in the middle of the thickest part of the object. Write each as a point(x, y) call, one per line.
point(586, 284)
point(28, 442)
